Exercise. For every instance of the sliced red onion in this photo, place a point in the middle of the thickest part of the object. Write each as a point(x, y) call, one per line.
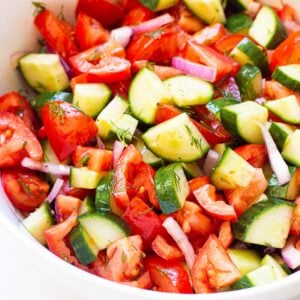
point(55, 189)
point(14, 59)
point(117, 151)
point(194, 69)
point(153, 24)
point(100, 143)
point(55, 169)
point(122, 35)
point(181, 240)
point(278, 165)
point(210, 162)
point(290, 254)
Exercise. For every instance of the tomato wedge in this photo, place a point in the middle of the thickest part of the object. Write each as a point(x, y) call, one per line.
point(64, 206)
point(295, 227)
point(210, 34)
point(195, 184)
point(226, 43)
point(225, 234)
point(255, 154)
point(137, 15)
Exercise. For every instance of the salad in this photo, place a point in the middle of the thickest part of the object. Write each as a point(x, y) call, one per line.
point(159, 146)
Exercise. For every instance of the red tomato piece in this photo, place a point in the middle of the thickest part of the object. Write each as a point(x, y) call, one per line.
point(75, 192)
point(168, 276)
point(65, 205)
point(120, 87)
point(66, 127)
point(25, 189)
point(89, 32)
point(255, 154)
point(226, 43)
point(274, 90)
point(143, 282)
point(286, 13)
point(225, 235)
point(57, 33)
point(213, 269)
point(229, 88)
point(210, 34)
point(137, 15)
point(165, 112)
point(295, 227)
point(195, 184)
point(206, 197)
point(16, 141)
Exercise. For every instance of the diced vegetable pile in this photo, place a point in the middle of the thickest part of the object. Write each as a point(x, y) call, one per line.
point(161, 145)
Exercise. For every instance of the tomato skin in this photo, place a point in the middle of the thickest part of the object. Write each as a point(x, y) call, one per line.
point(165, 112)
point(66, 127)
point(226, 43)
point(25, 189)
point(255, 154)
point(195, 184)
point(295, 226)
point(137, 15)
point(57, 33)
point(64, 206)
point(210, 34)
point(75, 192)
point(225, 234)
point(89, 32)
point(168, 276)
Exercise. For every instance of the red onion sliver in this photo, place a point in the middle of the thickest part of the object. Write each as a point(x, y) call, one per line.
point(153, 24)
point(117, 151)
point(100, 143)
point(210, 162)
point(181, 240)
point(122, 35)
point(55, 169)
point(278, 165)
point(194, 69)
point(290, 254)
point(55, 189)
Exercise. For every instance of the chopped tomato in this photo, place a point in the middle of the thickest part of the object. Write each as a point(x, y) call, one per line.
point(165, 112)
point(16, 141)
point(65, 205)
point(57, 33)
point(210, 34)
point(120, 88)
point(137, 15)
point(66, 127)
point(274, 90)
point(295, 227)
point(25, 189)
point(255, 154)
point(89, 32)
point(206, 197)
point(213, 269)
point(226, 43)
point(225, 234)
point(286, 13)
point(142, 282)
point(195, 184)
point(168, 276)
point(75, 192)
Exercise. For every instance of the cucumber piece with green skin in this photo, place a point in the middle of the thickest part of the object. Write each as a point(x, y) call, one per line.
point(239, 23)
point(157, 5)
point(145, 92)
point(277, 269)
point(209, 11)
point(220, 148)
point(288, 191)
point(241, 120)
point(192, 170)
point(245, 260)
point(239, 5)
point(288, 76)
point(281, 262)
point(290, 151)
point(85, 178)
point(260, 276)
point(280, 132)
point(104, 228)
point(176, 139)
point(87, 205)
point(188, 91)
point(267, 29)
point(91, 98)
point(247, 52)
point(39, 221)
point(44, 72)
point(171, 187)
point(215, 106)
point(287, 109)
point(232, 171)
point(249, 81)
point(265, 223)
point(83, 245)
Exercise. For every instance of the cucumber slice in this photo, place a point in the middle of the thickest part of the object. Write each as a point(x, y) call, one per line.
point(277, 269)
point(176, 140)
point(249, 80)
point(192, 170)
point(291, 148)
point(44, 72)
point(104, 229)
point(91, 97)
point(87, 205)
point(239, 23)
point(232, 171)
point(39, 221)
point(239, 5)
point(265, 223)
point(220, 148)
point(85, 178)
point(171, 187)
point(281, 262)
point(267, 29)
point(260, 276)
point(189, 91)
point(83, 245)
point(286, 108)
point(245, 260)
point(209, 11)
point(280, 132)
point(215, 106)
point(247, 52)
point(145, 92)
point(288, 76)
point(157, 5)
point(288, 191)
point(241, 120)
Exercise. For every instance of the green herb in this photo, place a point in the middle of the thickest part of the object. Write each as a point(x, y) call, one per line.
point(39, 7)
point(84, 160)
point(197, 142)
point(61, 15)
point(57, 110)
point(161, 271)
point(176, 180)
point(124, 257)
point(24, 144)
point(25, 186)
point(155, 34)
point(122, 134)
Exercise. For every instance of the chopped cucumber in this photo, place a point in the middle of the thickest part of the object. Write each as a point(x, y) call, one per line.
point(87, 205)
point(157, 5)
point(215, 106)
point(288, 76)
point(277, 269)
point(176, 140)
point(192, 170)
point(85, 178)
point(281, 262)
point(44, 72)
point(232, 171)
point(171, 187)
point(267, 29)
point(91, 97)
point(241, 120)
point(239, 23)
point(280, 132)
point(265, 223)
point(290, 151)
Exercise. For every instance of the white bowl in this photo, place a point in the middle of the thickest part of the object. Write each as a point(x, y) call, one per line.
point(17, 34)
